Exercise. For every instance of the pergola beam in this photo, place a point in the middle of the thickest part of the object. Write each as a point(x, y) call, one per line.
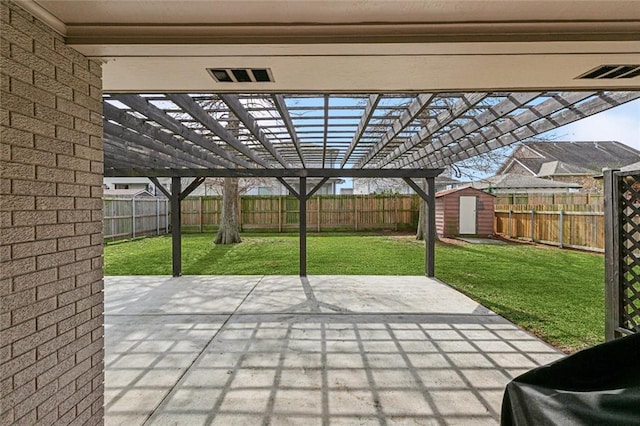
point(156, 114)
point(413, 110)
point(252, 125)
point(195, 110)
point(369, 109)
point(464, 104)
point(138, 125)
point(281, 106)
point(275, 173)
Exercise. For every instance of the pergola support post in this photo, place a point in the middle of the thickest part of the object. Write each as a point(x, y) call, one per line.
point(612, 258)
point(430, 236)
point(175, 196)
point(303, 226)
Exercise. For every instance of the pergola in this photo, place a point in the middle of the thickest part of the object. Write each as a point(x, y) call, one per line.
point(390, 135)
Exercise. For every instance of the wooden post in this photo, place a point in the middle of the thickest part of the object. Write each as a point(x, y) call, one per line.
point(201, 215)
point(279, 214)
point(509, 224)
point(561, 228)
point(157, 216)
point(133, 217)
point(303, 226)
point(319, 212)
point(355, 212)
point(430, 229)
point(176, 231)
point(612, 258)
point(533, 221)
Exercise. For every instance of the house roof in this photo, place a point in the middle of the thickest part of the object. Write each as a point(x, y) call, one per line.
point(512, 181)
point(461, 188)
point(554, 158)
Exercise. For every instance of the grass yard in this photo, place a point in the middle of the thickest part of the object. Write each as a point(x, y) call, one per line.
point(556, 294)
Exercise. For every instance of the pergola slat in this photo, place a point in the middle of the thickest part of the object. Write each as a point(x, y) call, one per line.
point(139, 104)
point(195, 110)
point(369, 109)
point(252, 125)
point(464, 104)
point(281, 106)
point(414, 109)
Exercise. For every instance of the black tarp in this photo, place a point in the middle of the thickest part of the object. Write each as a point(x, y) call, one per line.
point(596, 386)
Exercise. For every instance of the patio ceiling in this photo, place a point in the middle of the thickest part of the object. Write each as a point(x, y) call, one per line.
point(167, 134)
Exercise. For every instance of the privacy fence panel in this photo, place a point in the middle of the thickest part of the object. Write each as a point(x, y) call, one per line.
point(134, 217)
point(622, 259)
point(324, 213)
point(574, 226)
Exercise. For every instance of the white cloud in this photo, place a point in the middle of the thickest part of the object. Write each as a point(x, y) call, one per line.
point(620, 124)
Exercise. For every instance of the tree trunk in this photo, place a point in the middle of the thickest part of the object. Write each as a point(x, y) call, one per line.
point(422, 215)
point(421, 219)
point(228, 231)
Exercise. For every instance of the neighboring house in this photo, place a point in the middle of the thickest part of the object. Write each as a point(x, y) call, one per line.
point(127, 193)
point(512, 183)
point(256, 186)
point(399, 186)
point(573, 162)
point(138, 183)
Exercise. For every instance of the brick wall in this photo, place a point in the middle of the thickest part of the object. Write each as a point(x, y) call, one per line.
point(51, 332)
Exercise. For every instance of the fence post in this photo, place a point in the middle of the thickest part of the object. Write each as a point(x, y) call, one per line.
point(133, 217)
point(280, 214)
point(533, 221)
point(157, 216)
point(561, 228)
point(509, 224)
point(166, 216)
point(240, 213)
point(319, 212)
point(355, 212)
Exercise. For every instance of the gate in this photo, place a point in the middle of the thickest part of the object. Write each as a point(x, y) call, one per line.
point(622, 252)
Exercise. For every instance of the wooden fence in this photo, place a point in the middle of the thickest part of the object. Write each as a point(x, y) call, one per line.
point(134, 217)
point(573, 226)
point(550, 199)
point(324, 213)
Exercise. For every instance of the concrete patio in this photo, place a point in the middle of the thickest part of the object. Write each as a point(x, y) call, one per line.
point(289, 350)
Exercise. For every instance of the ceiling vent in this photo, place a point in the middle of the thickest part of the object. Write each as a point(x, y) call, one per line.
point(610, 72)
point(241, 75)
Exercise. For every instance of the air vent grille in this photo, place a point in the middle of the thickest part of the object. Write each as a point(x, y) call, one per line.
point(610, 72)
point(241, 75)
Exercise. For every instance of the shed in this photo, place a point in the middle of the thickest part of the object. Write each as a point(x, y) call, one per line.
point(464, 211)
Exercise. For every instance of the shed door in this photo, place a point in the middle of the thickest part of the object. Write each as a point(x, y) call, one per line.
point(467, 214)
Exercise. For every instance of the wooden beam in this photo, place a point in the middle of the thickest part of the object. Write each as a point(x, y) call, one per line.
point(317, 187)
point(123, 153)
point(160, 186)
point(369, 109)
point(192, 187)
point(251, 124)
point(139, 104)
point(566, 115)
point(139, 125)
point(195, 110)
point(464, 104)
point(119, 132)
point(325, 130)
point(413, 110)
point(281, 106)
point(275, 173)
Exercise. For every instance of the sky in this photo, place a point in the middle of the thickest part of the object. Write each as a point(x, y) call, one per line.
point(620, 124)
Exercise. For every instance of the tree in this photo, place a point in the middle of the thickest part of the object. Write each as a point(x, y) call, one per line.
point(228, 232)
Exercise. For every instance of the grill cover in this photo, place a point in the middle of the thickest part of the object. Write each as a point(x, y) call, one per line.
point(596, 386)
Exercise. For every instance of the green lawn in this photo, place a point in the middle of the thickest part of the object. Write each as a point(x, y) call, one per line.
point(556, 294)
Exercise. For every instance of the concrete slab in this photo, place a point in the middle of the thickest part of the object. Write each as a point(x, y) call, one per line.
point(327, 349)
